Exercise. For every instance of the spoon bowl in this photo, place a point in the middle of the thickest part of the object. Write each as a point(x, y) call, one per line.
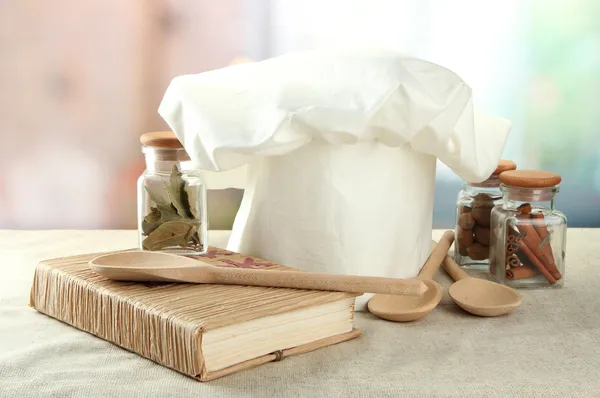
point(479, 296)
point(484, 298)
point(407, 309)
point(142, 266)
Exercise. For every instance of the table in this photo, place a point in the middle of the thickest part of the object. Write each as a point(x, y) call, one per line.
point(549, 347)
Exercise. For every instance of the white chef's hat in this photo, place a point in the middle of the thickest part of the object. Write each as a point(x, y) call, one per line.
point(337, 143)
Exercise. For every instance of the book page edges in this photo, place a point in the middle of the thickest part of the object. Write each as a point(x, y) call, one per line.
point(301, 349)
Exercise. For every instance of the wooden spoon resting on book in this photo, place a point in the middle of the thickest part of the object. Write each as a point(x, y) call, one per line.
point(162, 267)
point(406, 309)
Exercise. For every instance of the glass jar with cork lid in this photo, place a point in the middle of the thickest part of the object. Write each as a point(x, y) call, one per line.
point(473, 210)
point(172, 214)
point(528, 233)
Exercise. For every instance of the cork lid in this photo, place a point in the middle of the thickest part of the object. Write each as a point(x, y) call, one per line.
point(160, 139)
point(505, 165)
point(530, 178)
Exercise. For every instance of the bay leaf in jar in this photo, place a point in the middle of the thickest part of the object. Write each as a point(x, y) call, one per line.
point(172, 223)
point(171, 233)
point(192, 200)
point(176, 188)
point(151, 221)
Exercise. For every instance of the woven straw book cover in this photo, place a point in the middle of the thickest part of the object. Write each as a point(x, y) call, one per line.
point(166, 322)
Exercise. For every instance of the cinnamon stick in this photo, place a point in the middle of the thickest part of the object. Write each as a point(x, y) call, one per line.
point(511, 247)
point(530, 238)
point(512, 236)
point(524, 260)
point(542, 231)
point(535, 260)
point(513, 261)
point(520, 273)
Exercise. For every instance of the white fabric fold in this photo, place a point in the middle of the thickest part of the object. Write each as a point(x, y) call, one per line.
point(227, 117)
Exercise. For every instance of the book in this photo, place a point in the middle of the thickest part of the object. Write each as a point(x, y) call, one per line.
point(203, 331)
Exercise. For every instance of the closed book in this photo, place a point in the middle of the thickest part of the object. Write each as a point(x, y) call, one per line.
point(204, 331)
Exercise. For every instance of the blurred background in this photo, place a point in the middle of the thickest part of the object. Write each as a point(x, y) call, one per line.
point(82, 80)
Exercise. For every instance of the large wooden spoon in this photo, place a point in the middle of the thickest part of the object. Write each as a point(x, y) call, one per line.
point(406, 309)
point(479, 296)
point(163, 267)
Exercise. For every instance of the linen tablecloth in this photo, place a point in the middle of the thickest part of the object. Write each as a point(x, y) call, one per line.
point(548, 347)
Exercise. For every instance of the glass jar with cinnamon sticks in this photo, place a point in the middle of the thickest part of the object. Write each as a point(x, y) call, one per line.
point(528, 234)
point(473, 212)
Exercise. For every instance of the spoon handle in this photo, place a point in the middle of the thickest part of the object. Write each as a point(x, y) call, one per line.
point(305, 280)
point(454, 269)
point(440, 250)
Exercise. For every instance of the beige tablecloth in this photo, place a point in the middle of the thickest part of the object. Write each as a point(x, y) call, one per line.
point(549, 347)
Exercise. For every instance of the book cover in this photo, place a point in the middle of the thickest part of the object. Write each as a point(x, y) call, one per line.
point(174, 323)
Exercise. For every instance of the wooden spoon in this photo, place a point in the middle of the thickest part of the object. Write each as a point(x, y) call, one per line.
point(406, 309)
point(164, 267)
point(479, 296)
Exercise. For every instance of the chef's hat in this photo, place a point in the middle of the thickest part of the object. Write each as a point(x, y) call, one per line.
point(340, 151)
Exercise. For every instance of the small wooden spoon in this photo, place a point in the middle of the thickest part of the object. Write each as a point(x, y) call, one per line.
point(406, 309)
point(479, 296)
point(164, 267)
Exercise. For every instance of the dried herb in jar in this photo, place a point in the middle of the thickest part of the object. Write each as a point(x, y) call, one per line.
point(173, 221)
